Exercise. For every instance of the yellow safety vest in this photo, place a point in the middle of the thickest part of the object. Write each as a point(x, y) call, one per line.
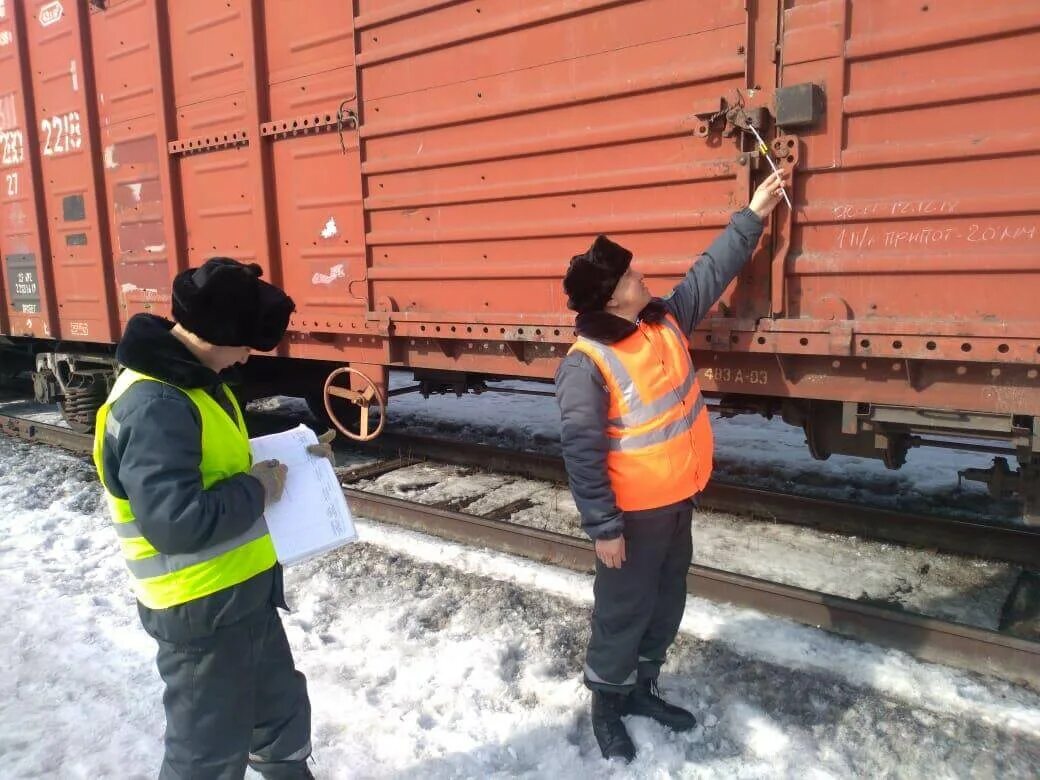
point(160, 580)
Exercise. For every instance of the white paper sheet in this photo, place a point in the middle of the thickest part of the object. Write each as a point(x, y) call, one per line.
point(312, 516)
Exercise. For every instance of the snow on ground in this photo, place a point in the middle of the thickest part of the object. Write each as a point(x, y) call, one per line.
point(427, 659)
point(30, 410)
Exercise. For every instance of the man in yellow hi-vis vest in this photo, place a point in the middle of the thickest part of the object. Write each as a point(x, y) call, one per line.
point(638, 446)
point(187, 505)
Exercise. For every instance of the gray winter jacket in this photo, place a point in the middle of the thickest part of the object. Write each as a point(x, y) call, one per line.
point(581, 392)
point(151, 456)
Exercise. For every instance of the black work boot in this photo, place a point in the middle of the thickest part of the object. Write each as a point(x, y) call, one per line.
point(645, 700)
point(610, 732)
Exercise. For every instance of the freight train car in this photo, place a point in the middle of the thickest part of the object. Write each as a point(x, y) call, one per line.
point(416, 173)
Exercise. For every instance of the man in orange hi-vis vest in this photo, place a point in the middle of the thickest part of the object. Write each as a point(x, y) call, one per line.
point(638, 447)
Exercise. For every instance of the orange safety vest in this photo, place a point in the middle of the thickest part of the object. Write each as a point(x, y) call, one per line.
point(660, 441)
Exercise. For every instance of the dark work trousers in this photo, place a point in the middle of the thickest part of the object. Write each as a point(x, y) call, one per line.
point(638, 608)
point(234, 697)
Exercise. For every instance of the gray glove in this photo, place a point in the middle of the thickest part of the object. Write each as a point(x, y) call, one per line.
point(323, 449)
point(271, 475)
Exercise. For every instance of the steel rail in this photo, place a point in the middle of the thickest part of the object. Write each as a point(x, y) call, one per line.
point(46, 433)
point(929, 639)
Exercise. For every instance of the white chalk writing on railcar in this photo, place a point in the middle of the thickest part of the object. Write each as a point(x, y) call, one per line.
point(855, 239)
point(904, 207)
point(79, 329)
point(921, 237)
point(979, 233)
point(850, 211)
point(973, 233)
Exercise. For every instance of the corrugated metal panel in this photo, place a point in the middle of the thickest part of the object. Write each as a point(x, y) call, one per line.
point(25, 252)
point(224, 192)
point(70, 165)
point(499, 138)
point(920, 203)
point(318, 195)
point(138, 182)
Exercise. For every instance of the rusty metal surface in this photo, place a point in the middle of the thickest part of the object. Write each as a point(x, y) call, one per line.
point(318, 196)
point(27, 292)
point(923, 637)
point(498, 140)
point(67, 147)
point(917, 195)
point(139, 184)
point(437, 179)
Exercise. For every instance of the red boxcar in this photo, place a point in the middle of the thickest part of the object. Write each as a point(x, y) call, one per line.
point(417, 173)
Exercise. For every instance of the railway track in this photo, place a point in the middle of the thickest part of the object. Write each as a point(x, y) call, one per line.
point(990, 540)
point(930, 639)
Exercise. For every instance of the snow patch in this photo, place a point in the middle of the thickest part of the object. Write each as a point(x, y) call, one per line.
point(428, 659)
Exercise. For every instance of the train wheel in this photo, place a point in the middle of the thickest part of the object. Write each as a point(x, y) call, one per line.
point(80, 404)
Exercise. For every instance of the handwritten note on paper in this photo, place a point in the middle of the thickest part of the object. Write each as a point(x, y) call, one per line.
point(312, 516)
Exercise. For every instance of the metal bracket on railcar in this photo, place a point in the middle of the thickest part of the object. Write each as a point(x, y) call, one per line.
point(363, 399)
point(346, 117)
point(800, 105)
point(737, 116)
point(1002, 482)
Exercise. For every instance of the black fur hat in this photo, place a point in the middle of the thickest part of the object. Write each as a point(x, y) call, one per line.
point(592, 276)
point(225, 303)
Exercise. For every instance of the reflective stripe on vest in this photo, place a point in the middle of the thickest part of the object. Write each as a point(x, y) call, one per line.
point(659, 435)
point(162, 580)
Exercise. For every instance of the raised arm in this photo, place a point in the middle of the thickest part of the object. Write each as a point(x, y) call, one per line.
point(721, 262)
